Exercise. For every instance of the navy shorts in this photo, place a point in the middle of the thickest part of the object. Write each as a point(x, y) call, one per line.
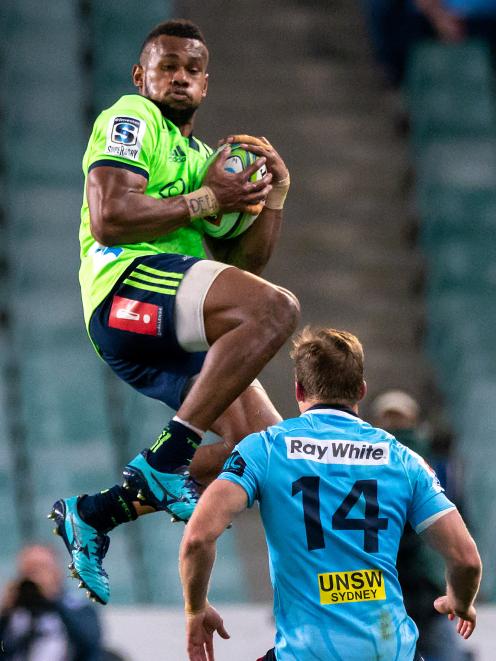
point(270, 656)
point(133, 329)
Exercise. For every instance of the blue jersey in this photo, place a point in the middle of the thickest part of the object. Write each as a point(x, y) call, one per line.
point(471, 8)
point(334, 496)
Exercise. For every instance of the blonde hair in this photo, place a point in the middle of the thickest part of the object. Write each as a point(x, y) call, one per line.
point(328, 364)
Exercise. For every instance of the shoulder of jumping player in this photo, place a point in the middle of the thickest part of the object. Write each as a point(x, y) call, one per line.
point(127, 132)
point(201, 148)
point(135, 104)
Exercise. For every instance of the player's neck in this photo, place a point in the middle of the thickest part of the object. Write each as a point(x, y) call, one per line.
point(186, 130)
point(307, 404)
point(182, 118)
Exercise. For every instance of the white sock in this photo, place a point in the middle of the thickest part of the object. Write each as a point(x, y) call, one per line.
point(200, 432)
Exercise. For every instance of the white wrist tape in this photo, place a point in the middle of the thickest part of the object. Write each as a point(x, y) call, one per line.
point(202, 203)
point(276, 197)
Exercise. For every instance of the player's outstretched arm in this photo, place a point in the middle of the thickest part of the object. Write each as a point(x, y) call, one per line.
point(217, 507)
point(450, 537)
point(252, 250)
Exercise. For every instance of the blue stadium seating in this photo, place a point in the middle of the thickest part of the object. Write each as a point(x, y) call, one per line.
point(452, 102)
point(439, 82)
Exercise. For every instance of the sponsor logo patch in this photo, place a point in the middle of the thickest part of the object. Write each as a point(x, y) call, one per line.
point(348, 586)
point(436, 485)
point(124, 137)
point(103, 255)
point(337, 451)
point(235, 464)
point(135, 316)
point(177, 155)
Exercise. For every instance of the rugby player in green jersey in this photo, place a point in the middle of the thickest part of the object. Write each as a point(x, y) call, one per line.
point(187, 330)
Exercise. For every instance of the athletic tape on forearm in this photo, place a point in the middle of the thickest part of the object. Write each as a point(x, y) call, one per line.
point(201, 203)
point(191, 612)
point(276, 197)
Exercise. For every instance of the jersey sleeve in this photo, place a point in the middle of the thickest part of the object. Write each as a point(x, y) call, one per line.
point(429, 501)
point(247, 465)
point(124, 136)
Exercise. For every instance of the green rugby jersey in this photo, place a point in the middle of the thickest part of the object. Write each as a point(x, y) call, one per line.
point(133, 134)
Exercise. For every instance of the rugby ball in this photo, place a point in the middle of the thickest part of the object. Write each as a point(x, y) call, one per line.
point(231, 225)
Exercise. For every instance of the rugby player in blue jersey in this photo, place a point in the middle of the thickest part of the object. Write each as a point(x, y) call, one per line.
point(334, 494)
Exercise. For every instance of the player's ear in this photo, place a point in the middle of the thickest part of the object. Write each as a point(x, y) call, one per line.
point(299, 392)
point(205, 86)
point(137, 76)
point(363, 390)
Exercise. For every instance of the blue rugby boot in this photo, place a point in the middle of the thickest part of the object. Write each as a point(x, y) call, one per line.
point(86, 546)
point(176, 493)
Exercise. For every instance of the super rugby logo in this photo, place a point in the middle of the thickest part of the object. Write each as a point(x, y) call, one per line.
point(337, 451)
point(124, 137)
point(125, 130)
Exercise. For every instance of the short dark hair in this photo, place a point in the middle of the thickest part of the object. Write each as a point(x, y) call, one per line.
point(328, 364)
point(176, 27)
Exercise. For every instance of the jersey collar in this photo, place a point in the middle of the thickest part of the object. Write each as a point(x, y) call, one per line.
point(332, 409)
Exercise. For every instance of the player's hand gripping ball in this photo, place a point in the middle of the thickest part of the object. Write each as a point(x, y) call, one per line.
point(232, 224)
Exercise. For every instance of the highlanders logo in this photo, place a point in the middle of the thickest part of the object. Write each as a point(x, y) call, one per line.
point(235, 464)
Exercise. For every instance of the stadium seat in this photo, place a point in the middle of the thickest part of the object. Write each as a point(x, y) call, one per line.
point(449, 212)
point(465, 164)
point(440, 79)
point(23, 115)
point(477, 430)
point(440, 113)
point(464, 65)
point(462, 264)
point(54, 208)
point(9, 530)
point(18, 13)
point(117, 30)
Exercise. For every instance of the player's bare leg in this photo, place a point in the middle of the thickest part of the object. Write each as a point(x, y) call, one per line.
point(247, 320)
point(251, 412)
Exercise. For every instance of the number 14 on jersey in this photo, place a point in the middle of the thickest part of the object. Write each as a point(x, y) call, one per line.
point(370, 523)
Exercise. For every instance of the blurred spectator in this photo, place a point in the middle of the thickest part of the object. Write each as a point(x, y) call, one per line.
point(443, 459)
point(396, 25)
point(420, 574)
point(397, 410)
point(454, 20)
point(391, 24)
point(38, 622)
